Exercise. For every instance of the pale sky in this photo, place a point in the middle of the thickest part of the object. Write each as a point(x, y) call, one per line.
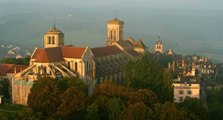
point(182, 4)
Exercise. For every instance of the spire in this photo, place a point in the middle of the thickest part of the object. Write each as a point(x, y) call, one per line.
point(158, 37)
point(115, 14)
point(54, 25)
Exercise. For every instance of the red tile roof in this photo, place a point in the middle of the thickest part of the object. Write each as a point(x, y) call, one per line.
point(72, 52)
point(11, 68)
point(106, 51)
point(57, 54)
point(45, 55)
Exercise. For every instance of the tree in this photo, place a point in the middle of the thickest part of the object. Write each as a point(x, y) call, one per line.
point(137, 111)
point(93, 112)
point(194, 106)
point(4, 88)
point(44, 96)
point(168, 87)
point(58, 98)
point(149, 74)
point(3, 116)
point(20, 61)
point(115, 106)
point(73, 103)
point(28, 114)
point(168, 111)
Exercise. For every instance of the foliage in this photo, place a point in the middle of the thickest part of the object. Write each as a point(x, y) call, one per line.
point(145, 73)
point(19, 61)
point(9, 110)
point(215, 105)
point(28, 114)
point(137, 111)
point(3, 116)
point(4, 88)
point(168, 111)
point(194, 106)
point(93, 112)
point(55, 98)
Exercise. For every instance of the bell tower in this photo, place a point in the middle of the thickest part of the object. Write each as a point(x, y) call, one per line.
point(53, 38)
point(159, 46)
point(115, 31)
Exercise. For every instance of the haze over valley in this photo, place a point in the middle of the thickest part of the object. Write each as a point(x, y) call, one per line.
point(190, 28)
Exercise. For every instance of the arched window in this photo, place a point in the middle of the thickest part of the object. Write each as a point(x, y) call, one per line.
point(44, 70)
point(53, 40)
point(114, 35)
point(111, 34)
point(68, 65)
point(49, 40)
point(75, 66)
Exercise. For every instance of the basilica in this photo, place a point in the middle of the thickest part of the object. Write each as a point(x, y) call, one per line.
point(92, 65)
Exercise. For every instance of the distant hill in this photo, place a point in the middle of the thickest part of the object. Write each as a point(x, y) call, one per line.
point(184, 31)
point(11, 51)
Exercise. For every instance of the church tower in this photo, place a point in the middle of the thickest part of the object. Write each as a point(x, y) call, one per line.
point(53, 38)
point(115, 31)
point(159, 46)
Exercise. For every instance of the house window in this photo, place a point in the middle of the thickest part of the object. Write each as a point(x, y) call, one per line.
point(181, 99)
point(181, 92)
point(189, 92)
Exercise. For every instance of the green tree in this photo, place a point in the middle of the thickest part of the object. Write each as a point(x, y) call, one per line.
point(44, 96)
point(20, 61)
point(28, 114)
point(115, 106)
point(145, 73)
point(3, 116)
point(58, 98)
point(168, 111)
point(73, 103)
point(4, 88)
point(194, 106)
point(93, 112)
point(137, 111)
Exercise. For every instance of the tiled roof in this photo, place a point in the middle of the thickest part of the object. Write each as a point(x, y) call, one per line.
point(45, 55)
point(170, 52)
point(11, 68)
point(125, 44)
point(54, 30)
point(57, 54)
point(106, 51)
point(133, 53)
point(115, 21)
point(72, 52)
point(140, 44)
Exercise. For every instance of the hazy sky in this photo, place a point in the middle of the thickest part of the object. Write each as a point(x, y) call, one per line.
point(183, 4)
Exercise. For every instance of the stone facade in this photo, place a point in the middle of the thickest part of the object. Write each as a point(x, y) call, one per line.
point(189, 87)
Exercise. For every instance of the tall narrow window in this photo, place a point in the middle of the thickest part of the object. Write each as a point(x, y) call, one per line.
point(53, 40)
point(111, 34)
point(75, 66)
point(114, 35)
point(49, 40)
point(68, 65)
point(44, 70)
